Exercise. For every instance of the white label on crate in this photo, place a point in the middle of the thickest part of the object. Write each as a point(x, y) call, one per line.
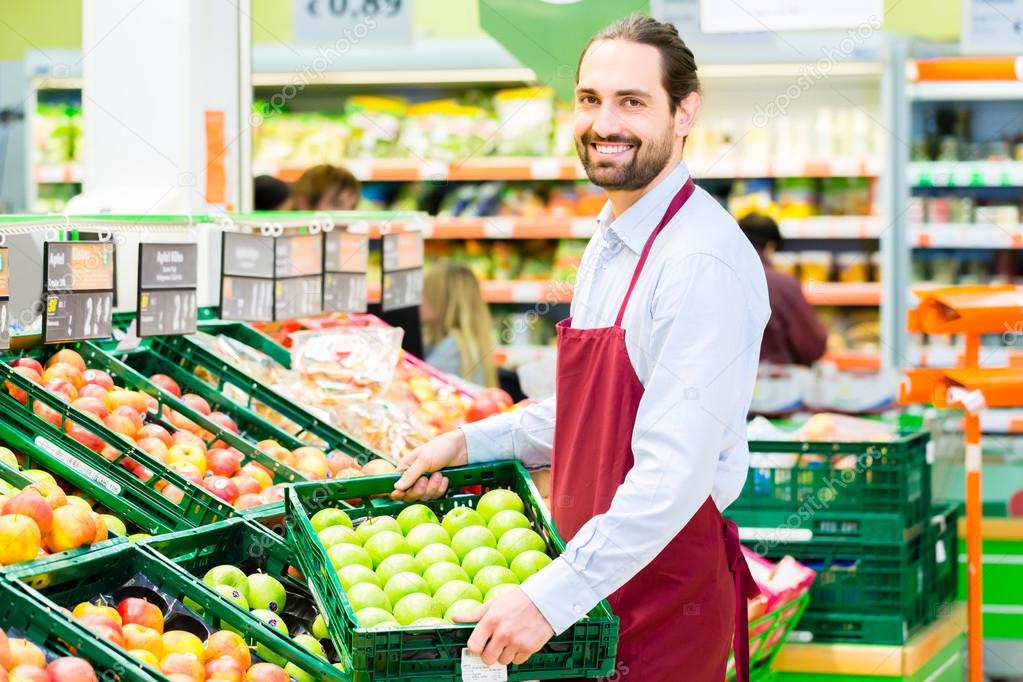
point(81, 467)
point(776, 534)
point(474, 670)
point(940, 555)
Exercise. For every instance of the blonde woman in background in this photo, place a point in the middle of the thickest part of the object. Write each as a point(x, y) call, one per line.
point(456, 324)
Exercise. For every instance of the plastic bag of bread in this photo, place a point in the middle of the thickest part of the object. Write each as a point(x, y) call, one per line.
point(347, 360)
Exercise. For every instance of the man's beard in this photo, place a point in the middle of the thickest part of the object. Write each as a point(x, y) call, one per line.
point(648, 160)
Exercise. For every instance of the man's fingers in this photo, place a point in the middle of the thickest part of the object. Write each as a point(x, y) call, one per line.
point(507, 656)
point(480, 634)
point(474, 617)
point(435, 486)
point(520, 658)
point(495, 648)
point(414, 469)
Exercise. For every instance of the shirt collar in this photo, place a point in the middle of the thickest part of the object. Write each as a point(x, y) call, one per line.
point(634, 226)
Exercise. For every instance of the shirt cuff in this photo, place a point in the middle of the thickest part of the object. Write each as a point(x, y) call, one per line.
point(488, 440)
point(560, 594)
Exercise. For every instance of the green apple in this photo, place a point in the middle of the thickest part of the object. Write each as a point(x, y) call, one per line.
point(436, 553)
point(404, 584)
point(344, 555)
point(226, 574)
point(505, 520)
point(372, 617)
point(414, 606)
point(468, 539)
point(384, 544)
point(518, 540)
point(481, 557)
point(497, 590)
point(278, 624)
point(297, 674)
point(415, 515)
point(114, 524)
point(9, 458)
point(461, 517)
point(398, 563)
point(376, 524)
point(325, 518)
point(363, 595)
point(463, 607)
point(311, 644)
point(427, 534)
point(319, 627)
point(436, 575)
point(527, 563)
point(38, 475)
point(338, 535)
point(489, 576)
point(498, 500)
point(454, 590)
point(193, 605)
point(430, 622)
point(233, 594)
point(353, 574)
point(135, 537)
point(266, 592)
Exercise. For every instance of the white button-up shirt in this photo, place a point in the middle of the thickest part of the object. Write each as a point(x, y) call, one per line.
point(692, 329)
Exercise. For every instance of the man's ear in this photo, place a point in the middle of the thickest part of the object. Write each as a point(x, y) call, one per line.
point(686, 112)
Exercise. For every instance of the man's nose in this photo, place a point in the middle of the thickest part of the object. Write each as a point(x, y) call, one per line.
point(607, 122)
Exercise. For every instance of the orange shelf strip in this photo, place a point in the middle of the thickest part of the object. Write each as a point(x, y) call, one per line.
point(968, 69)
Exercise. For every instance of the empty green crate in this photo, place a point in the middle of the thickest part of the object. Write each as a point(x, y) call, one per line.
point(805, 477)
point(586, 650)
point(68, 582)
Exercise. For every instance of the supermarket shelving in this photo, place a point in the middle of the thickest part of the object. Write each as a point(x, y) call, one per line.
point(966, 236)
point(965, 174)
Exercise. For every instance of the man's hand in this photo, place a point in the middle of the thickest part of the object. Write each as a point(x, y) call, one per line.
point(446, 450)
point(509, 629)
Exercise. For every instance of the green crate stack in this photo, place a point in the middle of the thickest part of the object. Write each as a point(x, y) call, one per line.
point(68, 582)
point(941, 548)
point(860, 514)
point(209, 508)
point(24, 614)
point(251, 547)
point(585, 650)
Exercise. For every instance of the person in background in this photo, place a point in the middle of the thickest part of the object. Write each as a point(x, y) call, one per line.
point(456, 324)
point(326, 188)
point(794, 335)
point(270, 194)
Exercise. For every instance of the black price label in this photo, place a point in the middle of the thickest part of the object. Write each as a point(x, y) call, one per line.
point(345, 292)
point(299, 256)
point(402, 270)
point(166, 294)
point(345, 261)
point(5, 292)
point(248, 255)
point(298, 297)
point(247, 299)
point(78, 290)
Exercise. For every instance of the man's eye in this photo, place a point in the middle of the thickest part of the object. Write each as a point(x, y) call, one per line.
point(633, 102)
point(587, 99)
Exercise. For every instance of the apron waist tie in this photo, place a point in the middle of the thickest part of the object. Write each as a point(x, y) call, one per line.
point(745, 589)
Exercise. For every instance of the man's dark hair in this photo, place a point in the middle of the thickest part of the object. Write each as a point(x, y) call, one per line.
point(761, 230)
point(269, 193)
point(678, 66)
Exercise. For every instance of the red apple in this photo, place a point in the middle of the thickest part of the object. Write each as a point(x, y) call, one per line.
point(84, 436)
point(61, 387)
point(180, 421)
point(153, 447)
point(174, 494)
point(275, 492)
point(156, 431)
point(224, 668)
point(64, 371)
point(246, 485)
point(259, 473)
point(72, 527)
point(70, 669)
point(484, 406)
point(98, 377)
point(94, 391)
point(187, 470)
point(224, 462)
point(132, 414)
point(197, 403)
point(221, 487)
point(337, 461)
point(167, 384)
point(266, 672)
point(225, 421)
point(68, 356)
point(121, 424)
point(189, 437)
point(188, 452)
point(230, 644)
point(141, 612)
point(31, 363)
point(33, 505)
point(29, 374)
point(249, 500)
point(121, 396)
point(93, 406)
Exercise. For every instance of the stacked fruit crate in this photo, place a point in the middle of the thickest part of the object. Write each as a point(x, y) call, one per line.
point(861, 515)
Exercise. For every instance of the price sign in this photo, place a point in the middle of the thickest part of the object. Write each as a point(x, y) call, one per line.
point(78, 291)
point(5, 293)
point(298, 256)
point(298, 268)
point(268, 278)
point(345, 261)
point(166, 292)
point(345, 22)
point(402, 270)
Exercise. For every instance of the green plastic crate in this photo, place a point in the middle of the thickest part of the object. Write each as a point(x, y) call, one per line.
point(857, 580)
point(253, 338)
point(767, 635)
point(180, 357)
point(857, 527)
point(941, 561)
point(884, 477)
point(35, 619)
point(586, 650)
point(213, 508)
point(69, 582)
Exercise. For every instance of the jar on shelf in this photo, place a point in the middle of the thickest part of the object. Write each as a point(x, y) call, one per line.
point(875, 266)
point(853, 267)
point(787, 262)
point(815, 266)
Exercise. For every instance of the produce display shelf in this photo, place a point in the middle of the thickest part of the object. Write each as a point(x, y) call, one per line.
point(181, 359)
point(65, 583)
point(586, 649)
point(24, 613)
point(966, 236)
point(801, 477)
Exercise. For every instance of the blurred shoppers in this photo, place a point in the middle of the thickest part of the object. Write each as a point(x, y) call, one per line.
point(456, 324)
point(794, 335)
point(270, 194)
point(326, 188)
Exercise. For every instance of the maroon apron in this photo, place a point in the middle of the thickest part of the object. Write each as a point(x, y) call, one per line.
point(680, 612)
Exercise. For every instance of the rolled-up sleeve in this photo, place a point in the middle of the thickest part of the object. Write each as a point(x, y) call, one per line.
point(686, 418)
point(526, 434)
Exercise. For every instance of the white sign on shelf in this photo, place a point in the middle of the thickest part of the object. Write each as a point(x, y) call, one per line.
point(993, 26)
point(756, 16)
point(346, 23)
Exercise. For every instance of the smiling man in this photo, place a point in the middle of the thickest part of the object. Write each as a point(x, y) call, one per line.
point(646, 432)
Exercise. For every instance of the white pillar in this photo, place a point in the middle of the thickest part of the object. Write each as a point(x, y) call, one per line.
point(166, 95)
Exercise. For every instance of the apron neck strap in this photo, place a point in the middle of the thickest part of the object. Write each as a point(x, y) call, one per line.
point(679, 200)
